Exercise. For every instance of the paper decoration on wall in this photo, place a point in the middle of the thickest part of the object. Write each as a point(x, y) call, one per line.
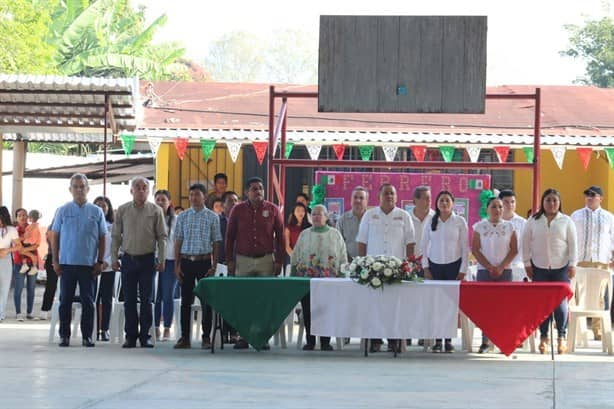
point(585, 156)
point(474, 153)
point(559, 155)
point(289, 146)
point(447, 152)
point(390, 151)
point(127, 143)
point(366, 151)
point(181, 146)
point(502, 153)
point(154, 144)
point(419, 151)
point(260, 147)
point(233, 149)
point(207, 146)
point(314, 151)
point(339, 151)
point(528, 153)
point(609, 152)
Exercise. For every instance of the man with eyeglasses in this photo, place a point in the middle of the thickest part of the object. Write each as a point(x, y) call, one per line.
point(254, 238)
point(595, 230)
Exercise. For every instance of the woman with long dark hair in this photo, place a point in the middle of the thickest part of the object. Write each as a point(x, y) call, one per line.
point(167, 281)
point(297, 222)
point(9, 239)
point(549, 254)
point(107, 276)
point(445, 248)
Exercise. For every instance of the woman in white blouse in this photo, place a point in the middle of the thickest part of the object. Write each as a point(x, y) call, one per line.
point(494, 246)
point(9, 241)
point(549, 254)
point(445, 248)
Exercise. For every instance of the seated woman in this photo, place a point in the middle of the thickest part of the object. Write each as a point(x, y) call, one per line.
point(494, 246)
point(319, 252)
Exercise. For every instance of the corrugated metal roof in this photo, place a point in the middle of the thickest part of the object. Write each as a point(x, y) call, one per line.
point(65, 105)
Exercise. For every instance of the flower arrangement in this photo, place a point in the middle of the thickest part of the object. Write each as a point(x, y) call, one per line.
point(316, 268)
point(379, 270)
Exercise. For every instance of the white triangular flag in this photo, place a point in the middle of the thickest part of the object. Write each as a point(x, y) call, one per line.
point(154, 144)
point(390, 151)
point(559, 155)
point(314, 151)
point(474, 153)
point(233, 148)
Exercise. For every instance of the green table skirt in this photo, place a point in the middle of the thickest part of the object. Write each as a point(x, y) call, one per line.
point(254, 306)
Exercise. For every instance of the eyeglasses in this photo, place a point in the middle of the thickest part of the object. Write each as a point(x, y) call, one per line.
point(590, 194)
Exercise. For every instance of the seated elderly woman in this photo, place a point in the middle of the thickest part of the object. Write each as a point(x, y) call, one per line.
point(319, 252)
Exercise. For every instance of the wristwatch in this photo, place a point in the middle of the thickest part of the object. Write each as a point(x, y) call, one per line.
point(101, 262)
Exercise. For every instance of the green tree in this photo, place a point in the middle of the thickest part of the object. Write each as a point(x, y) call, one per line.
point(24, 30)
point(235, 56)
point(594, 43)
point(292, 57)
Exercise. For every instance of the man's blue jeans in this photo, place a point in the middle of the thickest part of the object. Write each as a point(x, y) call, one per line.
point(137, 278)
point(71, 276)
point(20, 282)
point(164, 298)
point(561, 311)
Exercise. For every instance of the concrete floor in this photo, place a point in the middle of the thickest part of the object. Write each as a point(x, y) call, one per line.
point(36, 374)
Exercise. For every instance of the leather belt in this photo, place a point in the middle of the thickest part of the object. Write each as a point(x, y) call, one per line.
point(594, 264)
point(196, 257)
point(138, 256)
point(256, 255)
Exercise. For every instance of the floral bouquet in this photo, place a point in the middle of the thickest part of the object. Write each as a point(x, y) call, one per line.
point(379, 270)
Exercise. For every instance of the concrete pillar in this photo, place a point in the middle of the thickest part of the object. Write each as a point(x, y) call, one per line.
point(19, 167)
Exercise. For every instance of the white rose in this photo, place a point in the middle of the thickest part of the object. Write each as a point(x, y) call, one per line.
point(388, 272)
point(377, 266)
point(364, 274)
point(376, 282)
point(369, 260)
point(353, 267)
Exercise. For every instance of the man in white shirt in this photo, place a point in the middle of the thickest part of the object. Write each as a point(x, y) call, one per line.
point(508, 197)
point(350, 221)
point(595, 231)
point(421, 214)
point(386, 230)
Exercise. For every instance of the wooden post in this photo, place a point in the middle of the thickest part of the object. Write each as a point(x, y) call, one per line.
point(19, 167)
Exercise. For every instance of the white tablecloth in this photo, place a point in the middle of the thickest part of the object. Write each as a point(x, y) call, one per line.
point(343, 308)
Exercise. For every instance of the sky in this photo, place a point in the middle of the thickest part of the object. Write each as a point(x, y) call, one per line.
point(524, 36)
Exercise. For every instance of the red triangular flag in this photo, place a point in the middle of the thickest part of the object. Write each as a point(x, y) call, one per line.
point(585, 156)
point(502, 152)
point(181, 145)
point(260, 147)
point(524, 307)
point(419, 151)
point(339, 151)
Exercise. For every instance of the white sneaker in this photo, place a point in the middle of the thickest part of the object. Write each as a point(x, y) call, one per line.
point(20, 317)
point(24, 268)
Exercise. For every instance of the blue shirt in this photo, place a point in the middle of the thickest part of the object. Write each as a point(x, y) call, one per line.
point(81, 228)
point(197, 230)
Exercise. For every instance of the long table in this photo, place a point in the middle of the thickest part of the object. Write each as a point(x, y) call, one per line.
point(506, 312)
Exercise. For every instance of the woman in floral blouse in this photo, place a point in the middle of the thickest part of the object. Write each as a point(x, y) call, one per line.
point(494, 246)
point(319, 252)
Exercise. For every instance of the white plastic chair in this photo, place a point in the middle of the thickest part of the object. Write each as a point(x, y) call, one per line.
point(589, 285)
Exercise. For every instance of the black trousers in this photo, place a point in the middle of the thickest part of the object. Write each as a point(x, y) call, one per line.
point(105, 299)
point(193, 271)
point(51, 285)
point(445, 272)
point(311, 339)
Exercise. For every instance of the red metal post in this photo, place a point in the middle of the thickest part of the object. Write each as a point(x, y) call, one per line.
point(282, 154)
point(271, 132)
point(307, 163)
point(537, 150)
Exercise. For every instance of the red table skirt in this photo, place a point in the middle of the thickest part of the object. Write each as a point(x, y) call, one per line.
point(507, 313)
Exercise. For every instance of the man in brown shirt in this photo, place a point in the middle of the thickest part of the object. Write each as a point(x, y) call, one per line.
point(254, 238)
point(138, 230)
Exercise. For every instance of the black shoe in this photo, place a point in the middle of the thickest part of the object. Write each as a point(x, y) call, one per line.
point(326, 347)
point(308, 347)
point(409, 342)
point(421, 342)
point(449, 348)
point(145, 343)
point(105, 336)
point(266, 347)
point(64, 341)
point(375, 347)
point(241, 344)
point(87, 342)
point(483, 348)
point(437, 347)
point(129, 343)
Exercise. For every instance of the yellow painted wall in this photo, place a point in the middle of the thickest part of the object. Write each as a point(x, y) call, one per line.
point(571, 181)
point(177, 175)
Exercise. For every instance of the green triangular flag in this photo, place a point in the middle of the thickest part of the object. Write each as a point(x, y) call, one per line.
point(609, 152)
point(447, 152)
point(528, 153)
point(289, 146)
point(366, 151)
point(207, 146)
point(127, 143)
